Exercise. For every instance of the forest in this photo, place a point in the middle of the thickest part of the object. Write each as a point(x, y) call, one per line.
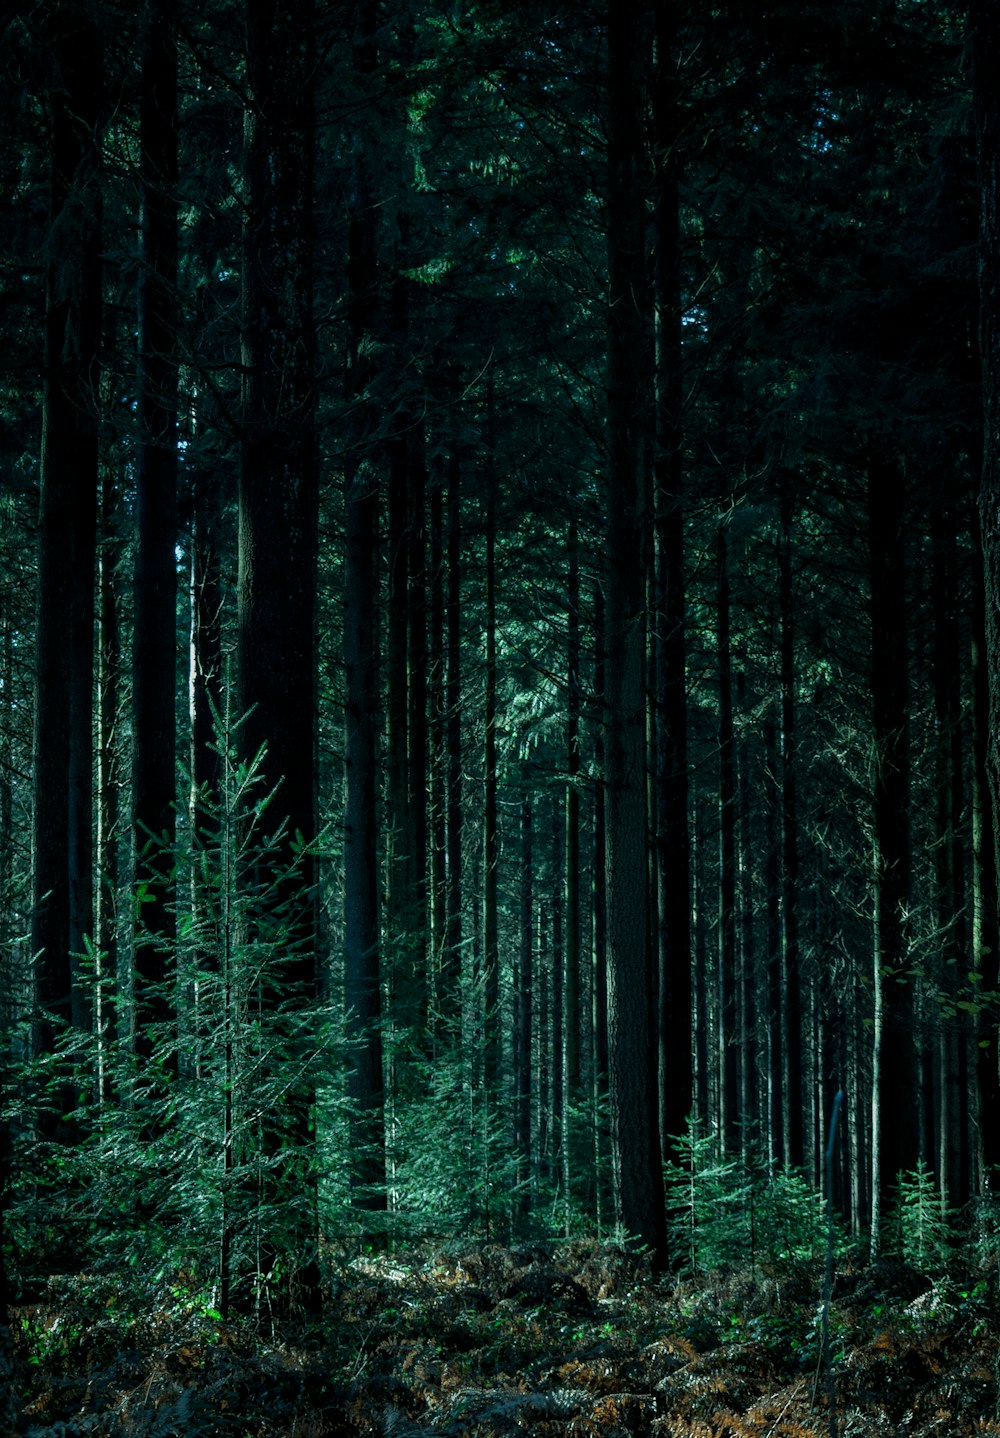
point(499, 717)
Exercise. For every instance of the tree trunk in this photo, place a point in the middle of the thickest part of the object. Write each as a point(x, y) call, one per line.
point(491, 847)
point(953, 1036)
point(64, 638)
point(452, 961)
point(209, 728)
point(523, 1005)
point(362, 967)
point(637, 1180)
point(895, 1112)
point(278, 534)
point(791, 980)
point(437, 771)
point(985, 927)
point(746, 998)
point(673, 859)
point(776, 1128)
point(108, 783)
point(984, 27)
point(728, 1051)
point(154, 635)
point(599, 912)
point(566, 985)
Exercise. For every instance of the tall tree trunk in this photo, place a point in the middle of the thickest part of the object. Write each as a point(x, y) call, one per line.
point(895, 1111)
point(64, 637)
point(437, 773)
point(566, 991)
point(776, 1128)
point(8, 1003)
point(451, 968)
point(278, 526)
point(791, 980)
point(491, 845)
point(953, 1036)
point(673, 859)
point(746, 997)
point(728, 1054)
point(362, 966)
point(523, 1011)
point(416, 735)
point(637, 1180)
point(206, 676)
point(154, 641)
point(985, 926)
point(208, 729)
point(108, 783)
point(599, 912)
point(984, 27)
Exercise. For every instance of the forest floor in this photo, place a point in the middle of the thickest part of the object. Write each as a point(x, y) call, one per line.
point(485, 1341)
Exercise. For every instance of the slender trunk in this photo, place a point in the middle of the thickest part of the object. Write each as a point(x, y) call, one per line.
point(362, 967)
point(491, 850)
point(895, 1110)
point(64, 637)
point(984, 27)
point(108, 782)
point(746, 957)
point(566, 992)
point(399, 914)
point(776, 1083)
point(953, 1038)
point(985, 926)
point(416, 734)
point(154, 642)
point(599, 914)
point(791, 980)
point(728, 1053)
point(523, 1004)
point(276, 578)
point(637, 1180)
point(452, 964)
point(673, 859)
point(437, 774)
point(208, 730)
point(704, 1069)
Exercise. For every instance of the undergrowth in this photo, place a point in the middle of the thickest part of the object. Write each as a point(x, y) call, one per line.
point(478, 1340)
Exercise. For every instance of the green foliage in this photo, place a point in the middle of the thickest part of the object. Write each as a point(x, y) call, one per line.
point(724, 1212)
point(920, 1229)
point(196, 1152)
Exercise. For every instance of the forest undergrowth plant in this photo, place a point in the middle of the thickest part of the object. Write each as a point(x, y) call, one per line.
point(198, 1150)
point(921, 1230)
point(724, 1212)
point(456, 1174)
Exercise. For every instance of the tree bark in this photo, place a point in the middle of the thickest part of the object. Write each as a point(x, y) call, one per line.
point(953, 1035)
point(566, 992)
point(984, 28)
point(985, 926)
point(791, 979)
point(637, 1181)
point(523, 1012)
point(895, 1112)
point(491, 845)
point(108, 783)
point(452, 961)
point(673, 858)
point(728, 1049)
point(362, 966)
point(278, 527)
point(62, 900)
point(154, 635)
